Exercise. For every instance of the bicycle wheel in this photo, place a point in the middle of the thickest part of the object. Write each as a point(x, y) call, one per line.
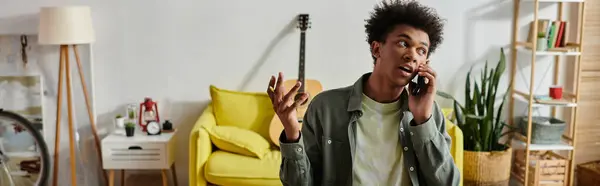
point(24, 158)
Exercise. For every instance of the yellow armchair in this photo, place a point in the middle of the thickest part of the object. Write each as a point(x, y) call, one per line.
point(210, 165)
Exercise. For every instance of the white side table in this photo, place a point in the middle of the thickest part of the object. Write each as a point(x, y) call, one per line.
point(139, 152)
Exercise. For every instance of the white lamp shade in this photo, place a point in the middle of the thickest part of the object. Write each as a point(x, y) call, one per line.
point(65, 26)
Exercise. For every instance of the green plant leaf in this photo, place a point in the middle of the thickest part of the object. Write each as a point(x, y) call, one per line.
point(497, 123)
point(477, 146)
point(541, 35)
point(458, 111)
point(493, 85)
point(500, 67)
point(129, 124)
point(486, 134)
point(501, 64)
point(476, 117)
point(484, 79)
point(477, 100)
point(468, 90)
point(445, 95)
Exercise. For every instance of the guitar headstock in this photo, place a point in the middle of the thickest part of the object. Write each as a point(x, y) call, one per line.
point(303, 22)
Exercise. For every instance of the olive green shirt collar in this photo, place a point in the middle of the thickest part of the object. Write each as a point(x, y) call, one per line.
point(355, 100)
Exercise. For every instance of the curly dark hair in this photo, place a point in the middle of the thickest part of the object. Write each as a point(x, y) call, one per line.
point(388, 15)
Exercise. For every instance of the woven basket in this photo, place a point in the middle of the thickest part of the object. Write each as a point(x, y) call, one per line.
point(487, 168)
point(543, 133)
point(588, 174)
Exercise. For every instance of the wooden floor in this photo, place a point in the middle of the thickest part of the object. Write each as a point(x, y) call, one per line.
point(18, 180)
point(143, 180)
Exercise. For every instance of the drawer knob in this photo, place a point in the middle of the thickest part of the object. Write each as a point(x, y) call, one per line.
point(135, 148)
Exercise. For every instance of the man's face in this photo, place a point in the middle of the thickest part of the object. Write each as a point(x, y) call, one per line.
point(398, 59)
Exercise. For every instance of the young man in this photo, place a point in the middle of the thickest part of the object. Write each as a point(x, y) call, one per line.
point(374, 132)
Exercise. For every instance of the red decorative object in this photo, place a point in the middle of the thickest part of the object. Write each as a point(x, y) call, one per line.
point(18, 128)
point(148, 112)
point(556, 92)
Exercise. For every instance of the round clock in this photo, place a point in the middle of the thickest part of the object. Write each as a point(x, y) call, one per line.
point(153, 128)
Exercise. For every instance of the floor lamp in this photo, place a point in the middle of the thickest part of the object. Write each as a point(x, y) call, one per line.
point(67, 27)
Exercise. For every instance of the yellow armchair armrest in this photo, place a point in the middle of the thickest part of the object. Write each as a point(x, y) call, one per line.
point(457, 148)
point(200, 146)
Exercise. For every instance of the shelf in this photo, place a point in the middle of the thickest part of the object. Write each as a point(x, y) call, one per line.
point(514, 181)
point(550, 53)
point(525, 99)
point(519, 144)
point(555, 1)
point(23, 154)
point(569, 50)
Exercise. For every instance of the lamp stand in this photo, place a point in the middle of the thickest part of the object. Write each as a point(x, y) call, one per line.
point(65, 70)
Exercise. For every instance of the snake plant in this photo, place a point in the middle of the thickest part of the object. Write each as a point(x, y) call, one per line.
point(477, 117)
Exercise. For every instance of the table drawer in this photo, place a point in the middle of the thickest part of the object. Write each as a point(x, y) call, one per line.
point(135, 155)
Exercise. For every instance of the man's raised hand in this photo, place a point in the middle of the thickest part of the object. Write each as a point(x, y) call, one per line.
point(285, 106)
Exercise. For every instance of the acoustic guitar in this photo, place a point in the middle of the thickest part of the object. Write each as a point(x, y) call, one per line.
point(310, 86)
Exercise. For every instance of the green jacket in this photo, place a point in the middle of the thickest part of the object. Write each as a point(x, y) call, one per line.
point(325, 151)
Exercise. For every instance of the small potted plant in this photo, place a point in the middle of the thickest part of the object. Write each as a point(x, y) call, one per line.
point(131, 114)
point(542, 42)
point(129, 129)
point(119, 121)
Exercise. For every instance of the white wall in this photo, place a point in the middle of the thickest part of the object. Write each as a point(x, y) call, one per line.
point(173, 50)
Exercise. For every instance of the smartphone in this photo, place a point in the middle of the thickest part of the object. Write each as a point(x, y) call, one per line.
point(419, 86)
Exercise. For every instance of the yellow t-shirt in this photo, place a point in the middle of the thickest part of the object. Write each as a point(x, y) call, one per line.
point(378, 158)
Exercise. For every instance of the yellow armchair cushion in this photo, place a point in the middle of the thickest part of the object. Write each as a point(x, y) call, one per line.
point(247, 110)
point(224, 168)
point(238, 140)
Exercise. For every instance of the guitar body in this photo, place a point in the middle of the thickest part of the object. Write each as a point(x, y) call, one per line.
point(312, 88)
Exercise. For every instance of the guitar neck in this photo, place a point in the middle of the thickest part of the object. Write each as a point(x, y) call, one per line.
point(301, 62)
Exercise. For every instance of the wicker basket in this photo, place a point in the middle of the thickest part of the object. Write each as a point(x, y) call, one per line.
point(487, 168)
point(545, 168)
point(588, 174)
point(544, 130)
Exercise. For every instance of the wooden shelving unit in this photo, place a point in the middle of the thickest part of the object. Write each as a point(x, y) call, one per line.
point(526, 174)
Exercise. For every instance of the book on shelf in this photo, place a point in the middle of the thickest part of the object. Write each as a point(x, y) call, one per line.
point(554, 31)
